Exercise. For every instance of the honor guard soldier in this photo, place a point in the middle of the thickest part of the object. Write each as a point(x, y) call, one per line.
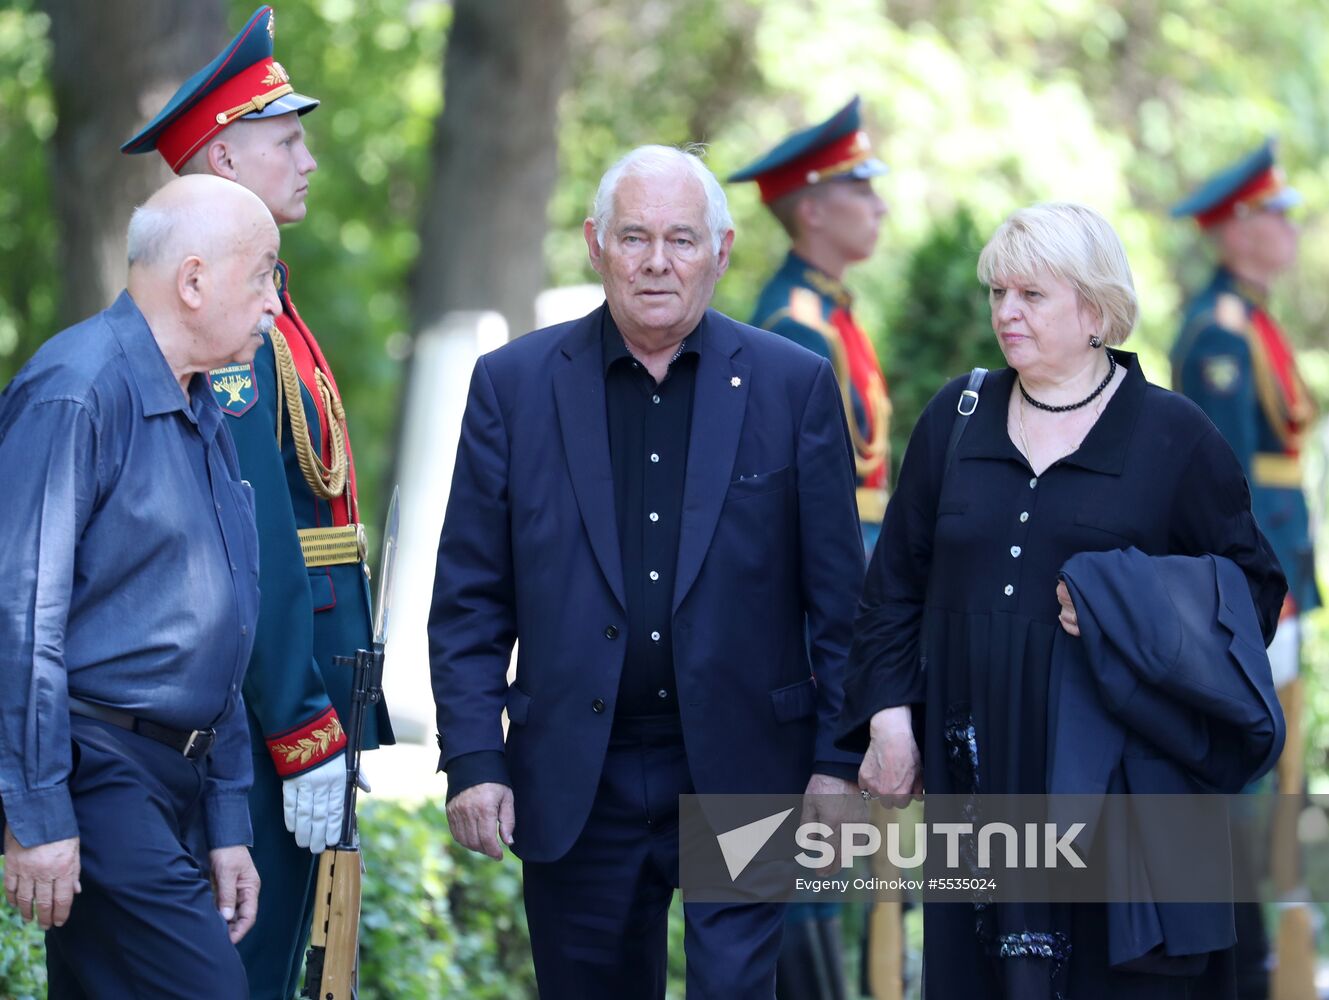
point(817, 183)
point(240, 118)
point(1235, 362)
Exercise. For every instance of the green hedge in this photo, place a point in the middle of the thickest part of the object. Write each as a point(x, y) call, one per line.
point(437, 920)
point(22, 957)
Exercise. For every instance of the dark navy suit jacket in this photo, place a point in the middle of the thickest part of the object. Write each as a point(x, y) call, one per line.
point(769, 568)
point(1167, 691)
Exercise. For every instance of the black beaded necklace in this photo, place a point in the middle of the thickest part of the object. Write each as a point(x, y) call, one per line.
point(1112, 370)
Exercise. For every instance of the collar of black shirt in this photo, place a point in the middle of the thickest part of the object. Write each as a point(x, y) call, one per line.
point(614, 349)
point(1103, 450)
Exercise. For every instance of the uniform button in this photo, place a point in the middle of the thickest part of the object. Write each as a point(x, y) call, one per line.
point(655, 575)
point(611, 631)
point(1033, 482)
point(655, 516)
point(1015, 552)
point(655, 637)
point(1009, 590)
point(234, 567)
point(598, 706)
point(244, 629)
point(655, 457)
point(1024, 516)
point(662, 693)
point(219, 508)
point(655, 399)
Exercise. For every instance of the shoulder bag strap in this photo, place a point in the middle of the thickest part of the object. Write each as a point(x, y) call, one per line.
point(964, 409)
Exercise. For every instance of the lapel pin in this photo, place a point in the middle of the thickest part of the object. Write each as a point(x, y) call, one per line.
point(735, 381)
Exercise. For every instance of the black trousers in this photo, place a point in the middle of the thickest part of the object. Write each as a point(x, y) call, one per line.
point(599, 916)
point(145, 924)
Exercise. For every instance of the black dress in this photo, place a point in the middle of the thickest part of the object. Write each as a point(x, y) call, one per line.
point(981, 558)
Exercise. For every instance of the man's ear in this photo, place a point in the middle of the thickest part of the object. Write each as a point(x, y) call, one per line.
point(593, 245)
point(807, 212)
point(221, 159)
point(191, 282)
point(722, 257)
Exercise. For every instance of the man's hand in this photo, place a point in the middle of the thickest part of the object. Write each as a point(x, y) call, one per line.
point(312, 804)
point(41, 881)
point(1067, 616)
point(480, 812)
point(235, 886)
point(892, 768)
point(833, 801)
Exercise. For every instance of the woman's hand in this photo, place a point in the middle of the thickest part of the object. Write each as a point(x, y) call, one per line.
point(892, 768)
point(1067, 617)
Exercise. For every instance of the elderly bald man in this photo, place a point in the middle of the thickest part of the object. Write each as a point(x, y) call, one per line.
point(130, 560)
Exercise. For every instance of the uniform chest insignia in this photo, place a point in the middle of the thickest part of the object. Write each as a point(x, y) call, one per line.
point(235, 387)
point(1230, 312)
point(1220, 373)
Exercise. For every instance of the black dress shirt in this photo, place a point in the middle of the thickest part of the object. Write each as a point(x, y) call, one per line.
point(649, 425)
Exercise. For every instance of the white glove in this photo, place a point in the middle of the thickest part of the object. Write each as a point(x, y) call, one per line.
point(312, 804)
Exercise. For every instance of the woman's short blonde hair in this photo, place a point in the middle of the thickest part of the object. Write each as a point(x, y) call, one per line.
point(1077, 245)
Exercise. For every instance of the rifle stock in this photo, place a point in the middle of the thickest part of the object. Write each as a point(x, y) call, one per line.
point(334, 941)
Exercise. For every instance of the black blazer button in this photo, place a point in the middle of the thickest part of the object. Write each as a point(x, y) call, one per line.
point(598, 705)
point(611, 631)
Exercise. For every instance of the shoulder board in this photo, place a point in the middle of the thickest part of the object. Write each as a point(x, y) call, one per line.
point(1230, 312)
point(805, 307)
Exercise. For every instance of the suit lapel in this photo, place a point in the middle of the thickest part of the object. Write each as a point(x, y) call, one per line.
point(579, 392)
point(719, 401)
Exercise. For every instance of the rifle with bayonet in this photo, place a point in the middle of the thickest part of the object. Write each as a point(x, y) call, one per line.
point(331, 964)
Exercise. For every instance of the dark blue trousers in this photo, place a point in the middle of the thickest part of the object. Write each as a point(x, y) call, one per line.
point(599, 916)
point(146, 924)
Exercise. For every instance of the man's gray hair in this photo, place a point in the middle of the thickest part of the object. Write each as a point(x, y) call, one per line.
point(662, 161)
point(151, 229)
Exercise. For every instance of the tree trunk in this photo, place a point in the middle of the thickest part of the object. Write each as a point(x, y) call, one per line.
point(114, 65)
point(495, 162)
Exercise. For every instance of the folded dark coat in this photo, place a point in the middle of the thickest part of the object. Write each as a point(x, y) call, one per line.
point(1167, 691)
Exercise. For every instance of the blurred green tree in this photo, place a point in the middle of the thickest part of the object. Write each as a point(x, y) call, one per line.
point(940, 327)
